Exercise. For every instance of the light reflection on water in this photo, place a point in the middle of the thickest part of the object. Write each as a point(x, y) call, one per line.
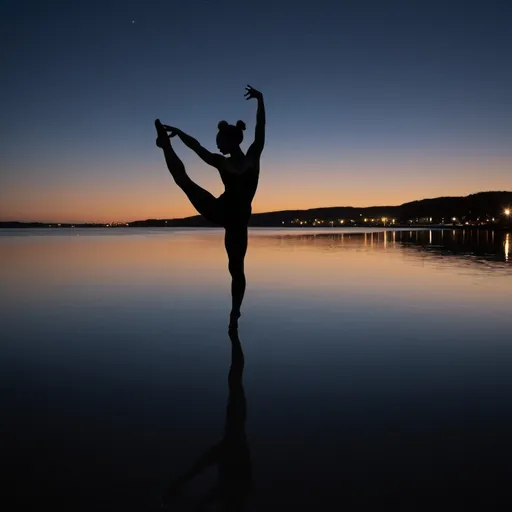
point(379, 358)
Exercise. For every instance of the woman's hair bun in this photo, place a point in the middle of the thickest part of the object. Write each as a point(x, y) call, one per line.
point(240, 125)
point(222, 125)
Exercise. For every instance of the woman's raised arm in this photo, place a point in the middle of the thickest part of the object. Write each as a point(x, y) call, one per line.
point(259, 132)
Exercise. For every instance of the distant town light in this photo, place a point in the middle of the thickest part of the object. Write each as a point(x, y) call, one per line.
point(507, 211)
point(454, 219)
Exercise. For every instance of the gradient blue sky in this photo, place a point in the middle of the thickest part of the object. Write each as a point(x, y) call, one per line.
point(368, 102)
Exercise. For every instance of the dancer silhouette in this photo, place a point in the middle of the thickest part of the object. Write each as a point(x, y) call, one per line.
point(239, 173)
point(231, 454)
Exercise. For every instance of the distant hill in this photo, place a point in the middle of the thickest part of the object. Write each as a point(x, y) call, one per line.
point(475, 208)
point(483, 205)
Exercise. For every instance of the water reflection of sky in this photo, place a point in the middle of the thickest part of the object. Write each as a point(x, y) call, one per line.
point(364, 351)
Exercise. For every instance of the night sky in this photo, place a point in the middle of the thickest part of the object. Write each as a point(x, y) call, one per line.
point(368, 102)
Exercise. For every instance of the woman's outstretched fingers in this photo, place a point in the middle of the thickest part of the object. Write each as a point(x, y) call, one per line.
point(252, 93)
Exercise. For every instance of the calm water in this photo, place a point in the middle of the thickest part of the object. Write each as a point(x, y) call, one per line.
point(377, 366)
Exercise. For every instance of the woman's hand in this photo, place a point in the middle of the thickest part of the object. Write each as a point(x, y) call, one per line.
point(173, 131)
point(252, 93)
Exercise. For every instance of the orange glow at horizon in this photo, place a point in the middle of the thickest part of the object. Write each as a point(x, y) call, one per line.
point(153, 193)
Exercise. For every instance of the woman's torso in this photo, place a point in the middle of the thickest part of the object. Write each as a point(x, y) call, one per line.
point(240, 181)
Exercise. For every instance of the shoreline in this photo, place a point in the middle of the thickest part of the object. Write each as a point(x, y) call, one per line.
point(28, 225)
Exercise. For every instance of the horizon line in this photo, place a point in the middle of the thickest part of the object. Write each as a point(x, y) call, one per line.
point(255, 213)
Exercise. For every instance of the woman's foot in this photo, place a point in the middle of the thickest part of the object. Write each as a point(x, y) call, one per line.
point(163, 137)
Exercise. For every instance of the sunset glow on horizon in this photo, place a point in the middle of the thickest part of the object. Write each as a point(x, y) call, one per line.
point(157, 197)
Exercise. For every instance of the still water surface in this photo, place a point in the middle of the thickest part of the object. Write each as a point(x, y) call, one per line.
point(377, 366)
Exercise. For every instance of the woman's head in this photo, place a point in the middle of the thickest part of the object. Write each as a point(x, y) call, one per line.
point(230, 137)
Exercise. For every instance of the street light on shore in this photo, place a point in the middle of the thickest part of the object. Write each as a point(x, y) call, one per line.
point(507, 212)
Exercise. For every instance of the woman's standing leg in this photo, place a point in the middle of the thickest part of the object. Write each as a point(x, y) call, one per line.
point(236, 246)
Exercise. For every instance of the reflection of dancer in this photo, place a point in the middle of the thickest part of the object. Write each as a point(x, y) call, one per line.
point(232, 454)
point(239, 173)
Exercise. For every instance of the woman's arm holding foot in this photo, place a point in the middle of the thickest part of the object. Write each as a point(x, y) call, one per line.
point(213, 159)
